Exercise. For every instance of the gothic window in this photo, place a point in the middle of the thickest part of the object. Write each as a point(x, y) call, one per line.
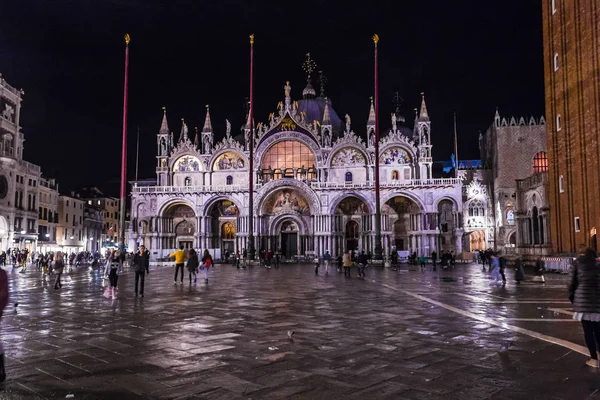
point(348, 177)
point(188, 181)
point(555, 61)
point(558, 123)
point(476, 209)
point(577, 225)
point(406, 173)
point(535, 226)
point(289, 154)
point(553, 6)
point(540, 162)
point(230, 180)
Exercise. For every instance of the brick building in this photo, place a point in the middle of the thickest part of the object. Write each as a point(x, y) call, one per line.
point(571, 64)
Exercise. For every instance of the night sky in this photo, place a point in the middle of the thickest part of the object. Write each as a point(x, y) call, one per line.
point(467, 56)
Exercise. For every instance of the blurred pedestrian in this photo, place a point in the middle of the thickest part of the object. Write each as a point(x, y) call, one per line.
point(114, 268)
point(347, 263)
point(192, 264)
point(59, 265)
point(179, 260)
point(584, 293)
point(207, 262)
point(326, 261)
point(141, 265)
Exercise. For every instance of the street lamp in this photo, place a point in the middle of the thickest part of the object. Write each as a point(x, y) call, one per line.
point(47, 235)
point(23, 232)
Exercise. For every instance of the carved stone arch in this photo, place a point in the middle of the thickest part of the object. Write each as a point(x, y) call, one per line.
point(141, 209)
point(390, 195)
point(171, 202)
point(412, 151)
point(218, 154)
point(336, 201)
point(303, 138)
point(303, 188)
point(213, 200)
point(276, 222)
point(341, 146)
point(455, 204)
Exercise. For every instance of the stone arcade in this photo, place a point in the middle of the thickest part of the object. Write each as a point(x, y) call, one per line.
point(314, 189)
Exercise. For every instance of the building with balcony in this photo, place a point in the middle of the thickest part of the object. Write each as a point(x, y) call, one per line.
point(48, 215)
point(92, 227)
point(69, 233)
point(19, 179)
point(313, 186)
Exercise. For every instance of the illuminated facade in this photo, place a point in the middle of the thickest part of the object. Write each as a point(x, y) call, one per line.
point(314, 187)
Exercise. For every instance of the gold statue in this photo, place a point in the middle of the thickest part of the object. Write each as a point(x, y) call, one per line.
point(127, 39)
point(252, 39)
point(375, 38)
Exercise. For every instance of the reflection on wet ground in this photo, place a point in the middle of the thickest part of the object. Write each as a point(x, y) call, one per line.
point(286, 333)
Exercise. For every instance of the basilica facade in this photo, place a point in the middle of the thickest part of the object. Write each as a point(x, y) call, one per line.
point(313, 190)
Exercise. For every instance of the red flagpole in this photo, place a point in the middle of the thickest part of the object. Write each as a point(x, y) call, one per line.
point(378, 245)
point(124, 149)
point(251, 249)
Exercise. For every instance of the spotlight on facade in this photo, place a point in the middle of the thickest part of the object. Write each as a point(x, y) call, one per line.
point(71, 238)
point(47, 235)
point(23, 232)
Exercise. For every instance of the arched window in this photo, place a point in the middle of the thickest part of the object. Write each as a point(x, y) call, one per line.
point(561, 184)
point(348, 177)
point(510, 217)
point(558, 123)
point(227, 231)
point(188, 181)
point(540, 162)
point(289, 155)
point(230, 180)
point(395, 175)
point(556, 61)
point(535, 226)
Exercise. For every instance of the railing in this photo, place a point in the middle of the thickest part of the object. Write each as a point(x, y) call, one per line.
point(532, 181)
point(314, 185)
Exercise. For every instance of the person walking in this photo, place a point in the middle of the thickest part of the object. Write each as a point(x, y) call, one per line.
point(503, 263)
point(347, 263)
point(237, 259)
point(192, 264)
point(268, 256)
point(326, 261)
point(244, 258)
point(179, 260)
point(519, 272)
point(362, 263)
point(141, 265)
point(540, 268)
point(434, 259)
point(495, 268)
point(114, 267)
point(584, 293)
point(277, 258)
point(422, 262)
point(207, 263)
point(59, 266)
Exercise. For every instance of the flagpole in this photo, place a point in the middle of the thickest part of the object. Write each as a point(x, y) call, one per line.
point(251, 248)
point(124, 150)
point(455, 148)
point(137, 154)
point(378, 246)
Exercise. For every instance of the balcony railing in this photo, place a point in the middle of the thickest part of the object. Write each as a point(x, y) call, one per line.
point(532, 181)
point(315, 185)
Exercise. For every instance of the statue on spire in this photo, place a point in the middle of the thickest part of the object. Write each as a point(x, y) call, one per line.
point(348, 122)
point(322, 80)
point(227, 128)
point(287, 89)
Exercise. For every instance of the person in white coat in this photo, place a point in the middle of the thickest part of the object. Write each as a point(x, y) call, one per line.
point(114, 267)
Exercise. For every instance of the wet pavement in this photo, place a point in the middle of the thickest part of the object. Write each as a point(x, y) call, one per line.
point(397, 335)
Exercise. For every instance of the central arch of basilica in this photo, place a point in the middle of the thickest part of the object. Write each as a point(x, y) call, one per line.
point(314, 188)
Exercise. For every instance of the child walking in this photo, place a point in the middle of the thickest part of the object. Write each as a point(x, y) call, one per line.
point(207, 262)
point(192, 264)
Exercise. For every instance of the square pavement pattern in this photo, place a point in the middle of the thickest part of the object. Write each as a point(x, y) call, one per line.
point(396, 335)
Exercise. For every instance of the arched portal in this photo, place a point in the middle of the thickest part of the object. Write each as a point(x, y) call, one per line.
point(221, 219)
point(178, 219)
point(353, 221)
point(289, 243)
point(405, 217)
point(447, 224)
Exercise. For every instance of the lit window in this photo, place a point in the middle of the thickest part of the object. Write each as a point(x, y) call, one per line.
point(577, 225)
point(553, 6)
point(394, 175)
point(348, 177)
point(188, 181)
point(510, 217)
point(558, 124)
point(556, 61)
point(98, 202)
point(540, 162)
point(561, 184)
point(291, 155)
point(230, 180)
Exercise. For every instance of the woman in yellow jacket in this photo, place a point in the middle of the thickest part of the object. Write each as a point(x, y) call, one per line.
point(347, 263)
point(180, 257)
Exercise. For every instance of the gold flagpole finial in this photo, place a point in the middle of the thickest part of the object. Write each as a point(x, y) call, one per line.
point(127, 39)
point(252, 39)
point(375, 39)
point(164, 109)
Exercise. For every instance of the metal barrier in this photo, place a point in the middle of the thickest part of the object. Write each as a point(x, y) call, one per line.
point(558, 264)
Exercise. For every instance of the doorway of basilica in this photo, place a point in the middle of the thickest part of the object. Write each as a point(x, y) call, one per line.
point(227, 237)
point(288, 238)
point(222, 216)
point(477, 241)
point(404, 216)
point(352, 234)
point(184, 232)
point(352, 219)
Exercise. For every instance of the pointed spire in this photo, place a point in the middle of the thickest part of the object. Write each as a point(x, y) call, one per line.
point(183, 136)
point(326, 114)
point(371, 120)
point(423, 115)
point(164, 126)
point(207, 125)
point(196, 138)
point(497, 115)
